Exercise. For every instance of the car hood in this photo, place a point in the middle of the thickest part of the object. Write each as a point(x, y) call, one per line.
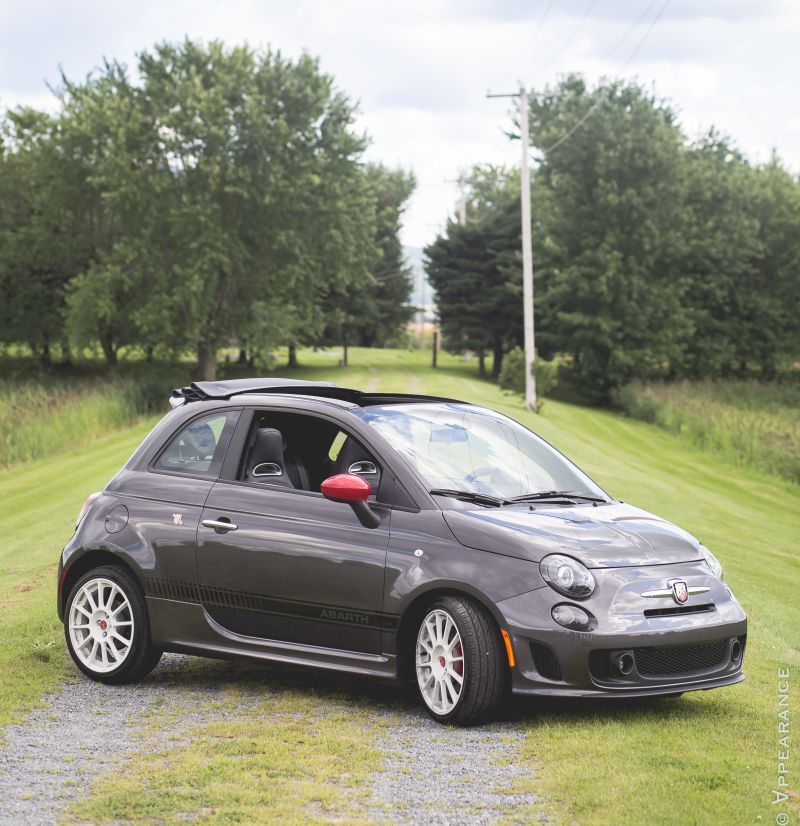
point(607, 536)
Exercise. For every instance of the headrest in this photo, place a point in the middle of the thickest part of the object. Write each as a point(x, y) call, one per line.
point(268, 446)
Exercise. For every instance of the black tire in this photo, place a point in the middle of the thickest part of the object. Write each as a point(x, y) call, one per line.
point(141, 656)
point(485, 672)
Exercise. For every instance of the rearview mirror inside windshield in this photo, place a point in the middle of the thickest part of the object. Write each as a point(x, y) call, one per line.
point(448, 435)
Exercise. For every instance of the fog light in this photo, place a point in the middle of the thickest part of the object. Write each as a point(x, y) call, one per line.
point(736, 651)
point(570, 616)
point(623, 663)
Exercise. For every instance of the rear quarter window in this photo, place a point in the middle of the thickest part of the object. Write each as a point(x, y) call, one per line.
point(199, 447)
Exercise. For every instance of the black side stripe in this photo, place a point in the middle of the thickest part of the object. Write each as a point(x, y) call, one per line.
point(246, 601)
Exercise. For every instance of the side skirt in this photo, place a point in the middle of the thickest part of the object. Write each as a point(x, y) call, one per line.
point(186, 627)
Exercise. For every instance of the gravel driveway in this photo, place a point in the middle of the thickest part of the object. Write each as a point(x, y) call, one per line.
point(431, 774)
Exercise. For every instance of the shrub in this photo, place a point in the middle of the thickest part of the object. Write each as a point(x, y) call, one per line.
point(512, 376)
point(749, 422)
point(45, 415)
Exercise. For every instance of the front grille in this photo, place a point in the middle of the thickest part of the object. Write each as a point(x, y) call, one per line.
point(545, 661)
point(652, 662)
point(679, 609)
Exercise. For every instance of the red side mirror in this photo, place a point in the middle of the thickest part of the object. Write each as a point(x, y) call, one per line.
point(346, 487)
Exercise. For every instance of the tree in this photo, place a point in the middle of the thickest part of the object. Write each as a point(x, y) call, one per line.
point(476, 272)
point(105, 134)
point(609, 212)
point(228, 192)
point(267, 187)
point(40, 248)
point(373, 311)
point(720, 244)
point(776, 204)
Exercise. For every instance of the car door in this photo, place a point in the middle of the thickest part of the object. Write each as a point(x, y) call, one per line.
point(161, 497)
point(292, 566)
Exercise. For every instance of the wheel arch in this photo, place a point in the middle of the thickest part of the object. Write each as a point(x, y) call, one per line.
point(416, 607)
point(88, 560)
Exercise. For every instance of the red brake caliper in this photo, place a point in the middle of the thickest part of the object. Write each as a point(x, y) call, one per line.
point(458, 666)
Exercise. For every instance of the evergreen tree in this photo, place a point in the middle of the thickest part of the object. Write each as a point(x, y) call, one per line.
point(476, 272)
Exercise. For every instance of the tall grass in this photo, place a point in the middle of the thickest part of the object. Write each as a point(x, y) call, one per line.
point(41, 417)
point(750, 423)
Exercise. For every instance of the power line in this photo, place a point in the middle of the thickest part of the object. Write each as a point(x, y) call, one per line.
point(572, 34)
point(525, 194)
point(628, 33)
point(530, 42)
point(540, 23)
point(596, 105)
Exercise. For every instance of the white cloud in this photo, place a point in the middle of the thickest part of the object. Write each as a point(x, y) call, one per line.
point(420, 68)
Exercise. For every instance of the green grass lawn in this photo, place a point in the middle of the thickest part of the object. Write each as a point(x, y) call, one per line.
point(708, 757)
point(751, 423)
point(40, 503)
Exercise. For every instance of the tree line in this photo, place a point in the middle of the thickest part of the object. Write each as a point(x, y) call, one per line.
point(654, 256)
point(216, 197)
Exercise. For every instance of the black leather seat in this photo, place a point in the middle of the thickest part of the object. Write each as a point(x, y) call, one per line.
point(266, 463)
point(297, 473)
point(353, 458)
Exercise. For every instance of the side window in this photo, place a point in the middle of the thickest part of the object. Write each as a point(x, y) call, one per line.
point(200, 446)
point(298, 451)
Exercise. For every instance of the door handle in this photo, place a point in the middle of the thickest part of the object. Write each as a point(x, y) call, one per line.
point(220, 524)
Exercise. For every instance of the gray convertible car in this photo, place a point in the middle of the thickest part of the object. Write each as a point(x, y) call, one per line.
point(391, 536)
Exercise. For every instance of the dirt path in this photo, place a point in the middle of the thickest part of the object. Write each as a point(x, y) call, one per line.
point(440, 776)
point(85, 731)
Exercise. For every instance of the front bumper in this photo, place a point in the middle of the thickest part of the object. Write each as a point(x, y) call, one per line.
point(671, 648)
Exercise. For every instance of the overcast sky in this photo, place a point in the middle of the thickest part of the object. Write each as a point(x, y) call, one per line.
point(420, 70)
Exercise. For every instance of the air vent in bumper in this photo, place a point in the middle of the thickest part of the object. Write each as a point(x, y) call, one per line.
point(545, 661)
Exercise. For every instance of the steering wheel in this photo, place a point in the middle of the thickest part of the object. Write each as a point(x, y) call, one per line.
point(484, 479)
point(486, 472)
point(487, 479)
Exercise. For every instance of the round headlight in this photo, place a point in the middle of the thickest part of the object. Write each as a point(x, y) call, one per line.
point(567, 576)
point(712, 562)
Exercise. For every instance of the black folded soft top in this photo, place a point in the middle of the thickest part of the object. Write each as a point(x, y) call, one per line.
point(199, 391)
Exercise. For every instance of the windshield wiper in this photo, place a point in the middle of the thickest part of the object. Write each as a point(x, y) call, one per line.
point(470, 496)
point(546, 495)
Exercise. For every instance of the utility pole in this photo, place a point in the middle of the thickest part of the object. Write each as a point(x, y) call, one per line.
point(527, 253)
point(421, 314)
point(461, 180)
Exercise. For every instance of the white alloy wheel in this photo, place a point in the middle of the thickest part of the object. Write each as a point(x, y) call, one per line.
point(101, 625)
point(440, 662)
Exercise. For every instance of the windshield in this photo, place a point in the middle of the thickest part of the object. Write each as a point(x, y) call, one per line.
point(466, 448)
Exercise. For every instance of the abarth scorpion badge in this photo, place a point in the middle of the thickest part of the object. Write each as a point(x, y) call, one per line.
point(680, 593)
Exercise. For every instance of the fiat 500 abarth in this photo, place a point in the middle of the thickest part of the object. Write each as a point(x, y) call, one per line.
point(387, 535)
